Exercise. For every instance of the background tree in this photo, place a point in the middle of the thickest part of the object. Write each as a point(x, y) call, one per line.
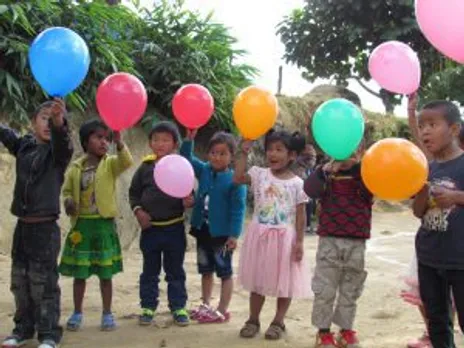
point(334, 39)
point(165, 47)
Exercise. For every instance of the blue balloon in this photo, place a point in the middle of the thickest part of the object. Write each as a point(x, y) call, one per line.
point(59, 60)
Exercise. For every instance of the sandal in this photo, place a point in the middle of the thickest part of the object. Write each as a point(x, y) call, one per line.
point(250, 329)
point(274, 332)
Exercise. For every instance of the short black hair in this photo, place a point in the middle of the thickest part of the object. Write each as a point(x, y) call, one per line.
point(165, 127)
point(88, 128)
point(293, 142)
point(450, 111)
point(45, 105)
point(223, 138)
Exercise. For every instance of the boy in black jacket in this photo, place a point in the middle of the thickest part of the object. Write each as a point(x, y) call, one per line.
point(162, 241)
point(41, 160)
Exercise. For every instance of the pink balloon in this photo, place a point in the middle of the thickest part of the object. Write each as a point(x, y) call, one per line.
point(121, 100)
point(441, 22)
point(174, 176)
point(193, 106)
point(395, 67)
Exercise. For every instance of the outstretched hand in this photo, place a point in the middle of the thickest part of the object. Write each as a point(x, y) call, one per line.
point(191, 134)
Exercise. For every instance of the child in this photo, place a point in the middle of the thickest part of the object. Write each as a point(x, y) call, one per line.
point(92, 246)
point(439, 205)
point(344, 225)
point(163, 241)
point(217, 221)
point(411, 293)
point(41, 161)
point(271, 259)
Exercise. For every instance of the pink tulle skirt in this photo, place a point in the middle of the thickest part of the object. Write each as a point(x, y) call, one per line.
point(267, 265)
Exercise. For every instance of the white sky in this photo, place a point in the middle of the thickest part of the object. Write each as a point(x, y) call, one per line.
point(253, 23)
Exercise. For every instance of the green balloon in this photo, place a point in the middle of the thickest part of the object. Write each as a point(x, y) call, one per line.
point(338, 128)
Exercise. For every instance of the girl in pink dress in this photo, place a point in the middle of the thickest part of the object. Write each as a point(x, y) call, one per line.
point(271, 259)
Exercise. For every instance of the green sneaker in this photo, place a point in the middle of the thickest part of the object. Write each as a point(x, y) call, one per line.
point(146, 318)
point(181, 317)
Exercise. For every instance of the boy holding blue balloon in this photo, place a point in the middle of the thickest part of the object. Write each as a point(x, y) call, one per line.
point(163, 241)
point(41, 161)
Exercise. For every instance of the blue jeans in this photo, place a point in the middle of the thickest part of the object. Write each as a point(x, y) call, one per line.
point(163, 246)
point(436, 286)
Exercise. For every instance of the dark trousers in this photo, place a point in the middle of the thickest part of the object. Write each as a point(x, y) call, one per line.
point(436, 288)
point(163, 246)
point(34, 281)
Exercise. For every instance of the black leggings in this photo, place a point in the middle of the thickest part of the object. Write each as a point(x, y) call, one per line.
point(436, 286)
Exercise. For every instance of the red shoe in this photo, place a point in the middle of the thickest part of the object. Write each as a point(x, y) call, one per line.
point(348, 339)
point(326, 340)
point(422, 342)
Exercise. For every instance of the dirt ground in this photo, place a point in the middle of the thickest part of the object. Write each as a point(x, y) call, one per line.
point(383, 320)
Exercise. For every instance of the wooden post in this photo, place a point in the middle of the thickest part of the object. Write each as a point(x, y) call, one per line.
point(279, 82)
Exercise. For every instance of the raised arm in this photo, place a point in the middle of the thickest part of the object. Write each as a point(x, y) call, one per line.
point(413, 124)
point(314, 185)
point(186, 150)
point(240, 175)
point(61, 142)
point(10, 139)
point(123, 159)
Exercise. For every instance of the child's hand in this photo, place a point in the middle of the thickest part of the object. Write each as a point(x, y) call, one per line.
point(246, 146)
point(117, 138)
point(58, 110)
point(332, 167)
point(298, 251)
point(231, 244)
point(189, 201)
point(70, 207)
point(143, 218)
point(444, 198)
point(191, 134)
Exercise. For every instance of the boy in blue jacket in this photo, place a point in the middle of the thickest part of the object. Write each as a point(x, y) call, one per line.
point(217, 221)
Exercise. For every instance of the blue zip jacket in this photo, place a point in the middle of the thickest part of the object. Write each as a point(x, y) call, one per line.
point(227, 201)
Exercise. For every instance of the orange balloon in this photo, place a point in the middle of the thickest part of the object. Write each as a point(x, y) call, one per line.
point(394, 169)
point(255, 112)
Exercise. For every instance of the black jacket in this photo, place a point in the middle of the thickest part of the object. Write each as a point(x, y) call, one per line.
point(144, 193)
point(39, 171)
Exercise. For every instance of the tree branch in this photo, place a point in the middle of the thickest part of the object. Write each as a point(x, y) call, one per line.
point(365, 87)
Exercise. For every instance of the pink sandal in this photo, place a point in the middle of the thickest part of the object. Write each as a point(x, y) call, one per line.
point(214, 317)
point(202, 310)
point(422, 342)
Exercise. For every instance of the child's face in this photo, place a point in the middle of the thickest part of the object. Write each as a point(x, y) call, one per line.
point(278, 156)
point(41, 126)
point(162, 144)
point(435, 132)
point(219, 156)
point(99, 142)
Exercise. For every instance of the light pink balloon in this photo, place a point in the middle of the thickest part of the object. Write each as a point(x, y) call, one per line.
point(442, 23)
point(174, 176)
point(395, 67)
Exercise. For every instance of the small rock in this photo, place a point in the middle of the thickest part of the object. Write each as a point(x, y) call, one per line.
point(163, 343)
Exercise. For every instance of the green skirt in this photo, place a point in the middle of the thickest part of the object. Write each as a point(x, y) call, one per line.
point(92, 247)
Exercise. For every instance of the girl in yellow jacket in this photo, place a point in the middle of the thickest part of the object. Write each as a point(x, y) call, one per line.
point(92, 246)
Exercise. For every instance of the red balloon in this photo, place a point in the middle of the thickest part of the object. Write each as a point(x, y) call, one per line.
point(193, 106)
point(121, 100)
